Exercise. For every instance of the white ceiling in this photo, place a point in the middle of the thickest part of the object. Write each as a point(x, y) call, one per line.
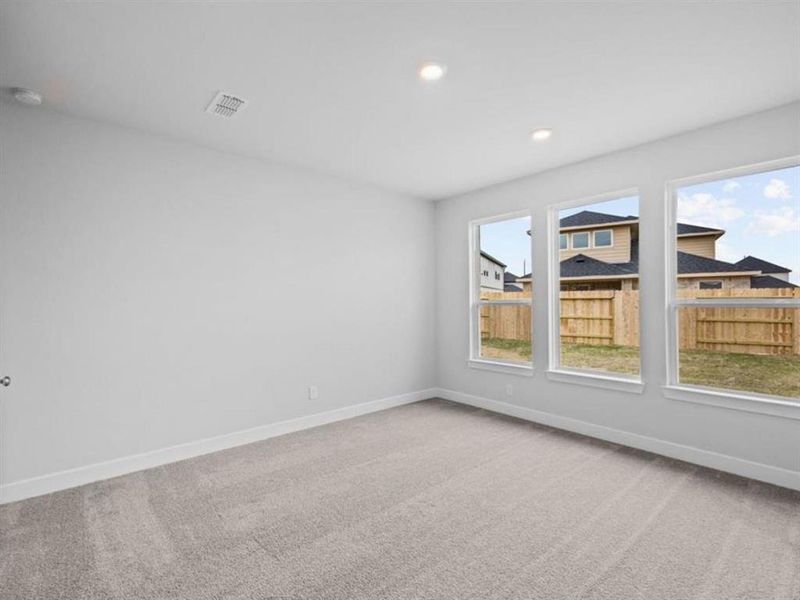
point(333, 86)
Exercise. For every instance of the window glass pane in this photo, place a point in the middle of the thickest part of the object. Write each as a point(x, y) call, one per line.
point(580, 240)
point(745, 349)
point(599, 297)
point(505, 332)
point(602, 238)
point(740, 238)
point(743, 232)
point(563, 241)
point(505, 259)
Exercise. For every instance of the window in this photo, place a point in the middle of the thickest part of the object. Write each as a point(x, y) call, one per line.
point(602, 238)
point(580, 240)
point(594, 298)
point(735, 339)
point(500, 321)
point(563, 241)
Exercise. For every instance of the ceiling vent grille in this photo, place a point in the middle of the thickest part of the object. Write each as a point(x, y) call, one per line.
point(226, 105)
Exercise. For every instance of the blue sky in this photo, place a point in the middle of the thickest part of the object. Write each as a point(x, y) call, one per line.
point(509, 242)
point(760, 215)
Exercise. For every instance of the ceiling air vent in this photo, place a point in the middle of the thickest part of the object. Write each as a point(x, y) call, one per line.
point(226, 105)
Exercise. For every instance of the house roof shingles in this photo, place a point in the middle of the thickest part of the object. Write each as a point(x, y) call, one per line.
point(587, 218)
point(757, 264)
point(768, 281)
point(581, 265)
point(693, 263)
point(686, 229)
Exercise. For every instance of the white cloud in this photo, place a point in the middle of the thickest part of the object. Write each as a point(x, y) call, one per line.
point(774, 223)
point(708, 210)
point(731, 186)
point(727, 253)
point(777, 189)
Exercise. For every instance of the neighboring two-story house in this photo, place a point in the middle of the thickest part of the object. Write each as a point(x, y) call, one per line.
point(600, 251)
point(492, 273)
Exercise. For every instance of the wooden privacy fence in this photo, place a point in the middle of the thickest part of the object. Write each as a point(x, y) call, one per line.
point(746, 330)
point(603, 317)
point(506, 321)
point(611, 317)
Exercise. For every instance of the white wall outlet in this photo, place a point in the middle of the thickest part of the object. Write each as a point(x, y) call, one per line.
point(313, 392)
point(509, 389)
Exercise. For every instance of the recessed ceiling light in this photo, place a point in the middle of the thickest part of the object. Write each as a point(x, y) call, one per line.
point(540, 135)
point(432, 71)
point(26, 96)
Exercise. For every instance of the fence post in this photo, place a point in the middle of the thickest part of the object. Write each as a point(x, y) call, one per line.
point(688, 323)
point(796, 331)
point(618, 312)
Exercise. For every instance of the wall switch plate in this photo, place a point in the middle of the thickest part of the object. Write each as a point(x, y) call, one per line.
point(313, 392)
point(509, 389)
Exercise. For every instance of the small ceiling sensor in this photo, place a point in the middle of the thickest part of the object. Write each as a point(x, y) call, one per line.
point(542, 134)
point(432, 71)
point(26, 96)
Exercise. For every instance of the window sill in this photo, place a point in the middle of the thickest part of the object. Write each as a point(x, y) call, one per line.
point(526, 370)
point(608, 382)
point(764, 405)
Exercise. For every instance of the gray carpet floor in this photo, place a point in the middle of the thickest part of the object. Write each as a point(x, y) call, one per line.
point(431, 500)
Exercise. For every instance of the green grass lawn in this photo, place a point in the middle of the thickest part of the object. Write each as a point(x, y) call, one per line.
point(615, 359)
point(505, 349)
point(776, 375)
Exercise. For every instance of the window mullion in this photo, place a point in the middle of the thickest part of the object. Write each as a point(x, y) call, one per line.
point(721, 302)
point(515, 302)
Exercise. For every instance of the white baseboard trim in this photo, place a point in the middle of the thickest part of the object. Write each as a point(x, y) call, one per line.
point(705, 458)
point(62, 480)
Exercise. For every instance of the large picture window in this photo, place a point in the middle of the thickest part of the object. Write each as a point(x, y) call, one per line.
point(594, 301)
point(501, 326)
point(733, 276)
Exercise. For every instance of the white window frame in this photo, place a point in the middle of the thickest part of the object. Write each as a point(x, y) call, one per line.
point(566, 237)
point(556, 372)
point(674, 389)
point(594, 236)
point(475, 360)
point(572, 240)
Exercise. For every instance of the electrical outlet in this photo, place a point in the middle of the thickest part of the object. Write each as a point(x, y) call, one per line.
point(509, 389)
point(313, 392)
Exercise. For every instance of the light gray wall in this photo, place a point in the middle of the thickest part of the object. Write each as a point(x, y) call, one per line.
point(155, 293)
point(149, 292)
point(764, 439)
